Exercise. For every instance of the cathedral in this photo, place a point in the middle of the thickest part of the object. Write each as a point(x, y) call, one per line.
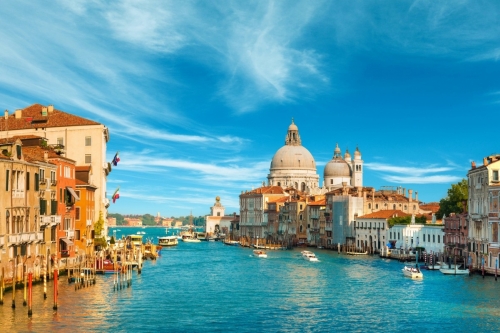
point(294, 166)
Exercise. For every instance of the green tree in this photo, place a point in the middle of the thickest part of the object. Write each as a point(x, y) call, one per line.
point(99, 226)
point(455, 201)
point(405, 220)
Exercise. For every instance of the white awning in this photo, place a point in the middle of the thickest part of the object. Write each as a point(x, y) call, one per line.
point(67, 241)
point(73, 193)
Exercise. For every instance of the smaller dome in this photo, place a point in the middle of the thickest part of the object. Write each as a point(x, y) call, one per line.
point(293, 127)
point(337, 168)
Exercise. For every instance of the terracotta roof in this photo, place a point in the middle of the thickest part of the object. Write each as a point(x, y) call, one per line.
point(384, 214)
point(432, 206)
point(31, 117)
point(266, 190)
point(317, 203)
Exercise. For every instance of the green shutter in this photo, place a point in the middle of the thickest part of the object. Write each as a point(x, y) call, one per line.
point(53, 207)
point(18, 152)
point(43, 206)
point(37, 182)
point(7, 180)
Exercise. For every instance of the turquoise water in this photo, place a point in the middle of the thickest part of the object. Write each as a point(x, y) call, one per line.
point(211, 287)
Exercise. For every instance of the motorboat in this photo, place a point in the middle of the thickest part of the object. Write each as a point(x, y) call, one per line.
point(309, 256)
point(231, 242)
point(189, 238)
point(412, 272)
point(167, 240)
point(454, 271)
point(259, 254)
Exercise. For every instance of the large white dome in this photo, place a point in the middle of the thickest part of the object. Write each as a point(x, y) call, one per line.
point(293, 157)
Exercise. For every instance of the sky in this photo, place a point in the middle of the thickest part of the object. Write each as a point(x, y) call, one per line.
point(198, 95)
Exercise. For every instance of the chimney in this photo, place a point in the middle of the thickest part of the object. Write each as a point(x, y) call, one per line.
point(416, 196)
point(485, 160)
point(51, 108)
point(410, 195)
point(19, 113)
point(473, 164)
point(6, 114)
point(46, 156)
point(44, 111)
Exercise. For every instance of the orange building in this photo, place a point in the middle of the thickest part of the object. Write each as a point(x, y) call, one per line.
point(66, 198)
point(84, 210)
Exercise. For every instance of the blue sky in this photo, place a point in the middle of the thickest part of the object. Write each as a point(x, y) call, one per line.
point(198, 95)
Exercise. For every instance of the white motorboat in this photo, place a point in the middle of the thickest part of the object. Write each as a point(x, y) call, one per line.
point(167, 240)
point(412, 272)
point(454, 271)
point(259, 254)
point(189, 238)
point(309, 256)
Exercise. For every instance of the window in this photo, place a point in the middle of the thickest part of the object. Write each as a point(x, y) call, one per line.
point(88, 158)
point(42, 174)
point(60, 141)
point(52, 177)
point(439, 238)
point(218, 213)
point(27, 181)
point(77, 234)
point(67, 172)
point(495, 175)
point(6, 180)
point(67, 224)
point(331, 181)
point(433, 238)
point(369, 206)
point(376, 206)
point(394, 206)
point(37, 182)
point(78, 193)
point(77, 213)
point(88, 141)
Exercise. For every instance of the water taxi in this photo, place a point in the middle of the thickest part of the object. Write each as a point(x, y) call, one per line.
point(167, 240)
point(135, 240)
point(412, 272)
point(309, 256)
point(259, 254)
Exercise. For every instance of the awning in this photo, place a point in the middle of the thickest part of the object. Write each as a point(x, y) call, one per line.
point(67, 241)
point(73, 193)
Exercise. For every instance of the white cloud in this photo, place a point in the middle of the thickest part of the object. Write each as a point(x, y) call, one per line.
point(414, 175)
point(437, 179)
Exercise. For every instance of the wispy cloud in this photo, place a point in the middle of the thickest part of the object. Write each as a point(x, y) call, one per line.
point(414, 175)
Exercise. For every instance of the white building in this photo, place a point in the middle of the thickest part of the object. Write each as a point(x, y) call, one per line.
point(430, 237)
point(217, 222)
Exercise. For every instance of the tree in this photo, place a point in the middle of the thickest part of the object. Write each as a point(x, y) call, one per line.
point(455, 201)
point(99, 226)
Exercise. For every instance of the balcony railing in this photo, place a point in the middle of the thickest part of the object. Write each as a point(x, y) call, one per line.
point(70, 234)
point(14, 239)
point(89, 223)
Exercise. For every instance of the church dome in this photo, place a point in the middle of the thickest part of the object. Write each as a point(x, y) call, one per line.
point(293, 157)
point(337, 168)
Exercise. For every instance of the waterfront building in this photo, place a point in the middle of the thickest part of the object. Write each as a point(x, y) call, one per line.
point(20, 236)
point(342, 206)
point(315, 212)
point(274, 206)
point(77, 138)
point(427, 236)
point(483, 181)
point(84, 211)
point(371, 230)
point(253, 210)
point(217, 222)
point(455, 234)
point(394, 198)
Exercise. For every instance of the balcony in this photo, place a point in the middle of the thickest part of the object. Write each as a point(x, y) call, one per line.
point(70, 234)
point(89, 223)
point(45, 220)
point(14, 239)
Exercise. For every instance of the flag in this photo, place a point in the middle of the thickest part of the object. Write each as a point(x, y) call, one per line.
point(116, 159)
point(116, 195)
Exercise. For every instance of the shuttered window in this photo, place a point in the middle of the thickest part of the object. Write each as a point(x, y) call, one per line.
point(27, 181)
point(37, 182)
point(6, 180)
point(53, 207)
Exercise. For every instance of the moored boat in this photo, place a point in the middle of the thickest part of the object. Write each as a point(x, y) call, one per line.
point(259, 254)
point(454, 271)
point(231, 242)
point(167, 240)
point(309, 256)
point(189, 238)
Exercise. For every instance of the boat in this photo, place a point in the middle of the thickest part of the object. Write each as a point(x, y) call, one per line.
point(309, 256)
point(454, 271)
point(167, 240)
point(108, 266)
point(189, 238)
point(259, 254)
point(135, 240)
point(357, 253)
point(231, 242)
point(412, 272)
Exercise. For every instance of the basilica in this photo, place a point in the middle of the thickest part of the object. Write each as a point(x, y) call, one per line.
point(293, 166)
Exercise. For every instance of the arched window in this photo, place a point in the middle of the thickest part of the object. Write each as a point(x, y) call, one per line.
point(300, 228)
point(303, 187)
point(394, 206)
point(331, 181)
point(376, 206)
point(279, 183)
point(218, 213)
point(369, 206)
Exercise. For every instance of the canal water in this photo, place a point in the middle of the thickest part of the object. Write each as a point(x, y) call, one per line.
point(211, 287)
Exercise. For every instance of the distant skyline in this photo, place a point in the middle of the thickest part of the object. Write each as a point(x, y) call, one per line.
point(198, 96)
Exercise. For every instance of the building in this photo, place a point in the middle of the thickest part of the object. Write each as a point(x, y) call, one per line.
point(84, 211)
point(372, 230)
point(455, 234)
point(217, 222)
point(483, 182)
point(427, 236)
point(77, 138)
